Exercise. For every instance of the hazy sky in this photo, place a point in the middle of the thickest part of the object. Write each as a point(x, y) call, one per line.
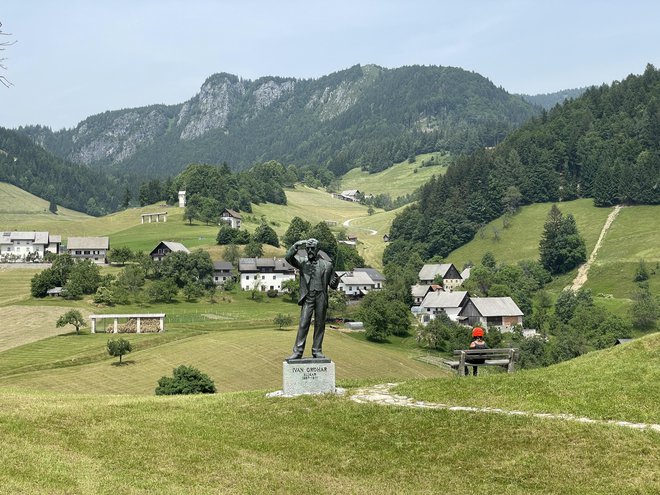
point(76, 58)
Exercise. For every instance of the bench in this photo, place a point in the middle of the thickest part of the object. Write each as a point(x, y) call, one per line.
point(492, 357)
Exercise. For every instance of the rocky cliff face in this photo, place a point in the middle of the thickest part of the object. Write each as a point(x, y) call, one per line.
point(119, 140)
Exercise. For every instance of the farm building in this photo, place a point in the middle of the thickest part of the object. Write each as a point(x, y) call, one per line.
point(90, 248)
point(28, 246)
point(451, 278)
point(264, 273)
point(166, 247)
point(501, 312)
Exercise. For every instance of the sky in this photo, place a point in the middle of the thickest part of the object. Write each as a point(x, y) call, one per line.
point(75, 58)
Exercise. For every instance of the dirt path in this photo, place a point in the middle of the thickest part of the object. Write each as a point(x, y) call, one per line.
point(347, 224)
point(581, 276)
point(382, 394)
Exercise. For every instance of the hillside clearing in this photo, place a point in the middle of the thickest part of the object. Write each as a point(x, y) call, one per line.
point(399, 179)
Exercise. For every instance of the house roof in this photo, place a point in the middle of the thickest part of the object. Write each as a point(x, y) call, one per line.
point(255, 264)
point(55, 239)
point(496, 306)
point(35, 237)
point(88, 243)
point(173, 246)
point(375, 275)
point(465, 274)
point(356, 278)
point(429, 272)
point(419, 290)
point(441, 299)
point(222, 266)
point(232, 213)
point(350, 192)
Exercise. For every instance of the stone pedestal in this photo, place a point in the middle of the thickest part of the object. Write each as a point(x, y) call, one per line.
point(308, 376)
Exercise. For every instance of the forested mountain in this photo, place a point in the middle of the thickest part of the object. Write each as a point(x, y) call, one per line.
point(604, 144)
point(364, 116)
point(75, 186)
point(549, 100)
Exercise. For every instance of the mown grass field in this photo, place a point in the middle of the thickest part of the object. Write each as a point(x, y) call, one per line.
point(618, 383)
point(247, 443)
point(400, 179)
point(521, 239)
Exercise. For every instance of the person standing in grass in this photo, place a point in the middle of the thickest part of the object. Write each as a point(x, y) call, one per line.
point(478, 342)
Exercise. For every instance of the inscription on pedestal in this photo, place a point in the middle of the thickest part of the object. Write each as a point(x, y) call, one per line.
point(308, 376)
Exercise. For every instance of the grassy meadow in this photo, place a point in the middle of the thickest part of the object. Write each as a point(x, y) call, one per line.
point(72, 421)
point(243, 442)
point(400, 179)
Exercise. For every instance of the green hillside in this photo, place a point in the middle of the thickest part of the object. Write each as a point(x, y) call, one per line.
point(632, 236)
point(21, 210)
point(398, 180)
point(520, 240)
point(247, 443)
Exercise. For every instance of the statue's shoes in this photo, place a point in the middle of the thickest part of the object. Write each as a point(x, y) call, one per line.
point(318, 355)
point(295, 355)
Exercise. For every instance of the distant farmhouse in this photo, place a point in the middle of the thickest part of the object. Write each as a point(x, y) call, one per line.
point(264, 273)
point(28, 246)
point(233, 218)
point(451, 303)
point(91, 248)
point(377, 277)
point(166, 247)
point(451, 278)
point(222, 272)
point(349, 195)
point(501, 312)
point(355, 284)
point(419, 292)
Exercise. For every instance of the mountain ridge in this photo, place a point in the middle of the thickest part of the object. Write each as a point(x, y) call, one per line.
point(365, 116)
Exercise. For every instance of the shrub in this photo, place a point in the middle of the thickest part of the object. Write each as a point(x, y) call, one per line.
point(272, 293)
point(185, 380)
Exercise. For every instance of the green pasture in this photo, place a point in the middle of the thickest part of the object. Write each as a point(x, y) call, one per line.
point(400, 179)
point(57, 443)
point(618, 383)
point(20, 210)
point(520, 240)
point(245, 359)
point(634, 235)
point(15, 283)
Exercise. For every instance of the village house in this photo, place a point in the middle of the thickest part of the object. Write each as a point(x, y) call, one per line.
point(233, 218)
point(264, 273)
point(419, 292)
point(222, 272)
point(451, 278)
point(436, 302)
point(488, 312)
point(90, 248)
point(349, 195)
point(166, 247)
point(355, 283)
point(28, 246)
point(377, 277)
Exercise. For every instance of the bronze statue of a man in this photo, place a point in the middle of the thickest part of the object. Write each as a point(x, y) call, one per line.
point(316, 274)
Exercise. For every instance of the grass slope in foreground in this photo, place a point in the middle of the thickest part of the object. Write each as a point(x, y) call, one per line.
point(621, 383)
point(247, 443)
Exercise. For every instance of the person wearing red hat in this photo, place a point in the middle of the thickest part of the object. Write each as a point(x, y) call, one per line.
point(478, 342)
